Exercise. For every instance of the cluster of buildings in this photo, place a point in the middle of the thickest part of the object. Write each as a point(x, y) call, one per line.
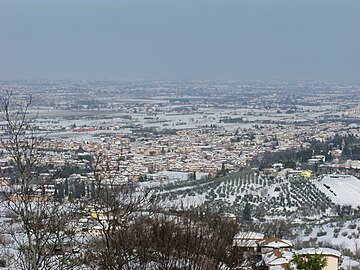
point(278, 254)
point(204, 151)
point(151, 127)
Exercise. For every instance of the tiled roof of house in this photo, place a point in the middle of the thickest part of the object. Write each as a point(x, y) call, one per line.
point(276, 243)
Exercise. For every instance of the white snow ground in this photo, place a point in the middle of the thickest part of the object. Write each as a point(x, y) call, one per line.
point(341, 189)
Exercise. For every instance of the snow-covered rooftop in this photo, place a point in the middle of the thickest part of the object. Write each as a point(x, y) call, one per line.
point(247, 239)
point(323, 251)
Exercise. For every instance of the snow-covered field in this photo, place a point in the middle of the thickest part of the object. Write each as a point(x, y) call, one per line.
point(341, 189)
point(343, 235)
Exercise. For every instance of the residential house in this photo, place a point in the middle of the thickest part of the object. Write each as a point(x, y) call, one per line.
point(333, 257)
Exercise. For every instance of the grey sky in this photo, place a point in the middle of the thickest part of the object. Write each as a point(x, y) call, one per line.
point(162, 39)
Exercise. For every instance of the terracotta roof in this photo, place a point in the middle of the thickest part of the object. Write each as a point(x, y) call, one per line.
point(276, 243)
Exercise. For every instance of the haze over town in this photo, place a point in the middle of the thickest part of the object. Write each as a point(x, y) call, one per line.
point(157, 39)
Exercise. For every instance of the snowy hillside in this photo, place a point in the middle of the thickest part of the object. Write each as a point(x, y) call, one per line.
point(268, 196)
point(341, 189)
point(341, 235)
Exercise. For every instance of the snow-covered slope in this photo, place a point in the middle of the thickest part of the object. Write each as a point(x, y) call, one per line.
point(341, 189)
point(270, 196)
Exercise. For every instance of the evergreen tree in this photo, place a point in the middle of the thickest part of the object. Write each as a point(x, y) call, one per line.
point(77, 190)
point(66, 187)
point(223, 168)
point(346, 150)
point(309, 262)
point(83, 189)
point(93, 190)
point(60, 188)
point(247, 212)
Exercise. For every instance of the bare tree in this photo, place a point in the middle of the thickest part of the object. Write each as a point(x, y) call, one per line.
point(39, 226)
point(163, 242)
point(116, 209)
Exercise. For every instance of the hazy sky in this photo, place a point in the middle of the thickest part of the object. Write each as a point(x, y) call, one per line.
point(174, 39)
